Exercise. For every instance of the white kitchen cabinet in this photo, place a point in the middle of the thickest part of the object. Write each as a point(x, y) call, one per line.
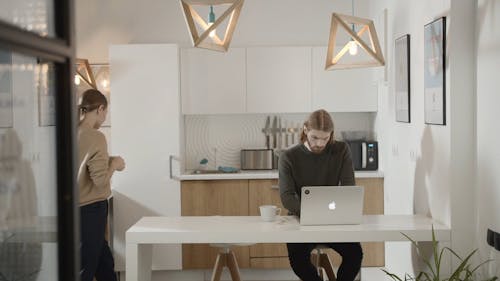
point(145, 130)
point(278, 79)
point(346, 90)
point(213, 82)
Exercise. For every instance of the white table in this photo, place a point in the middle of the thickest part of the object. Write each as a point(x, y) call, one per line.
point(250, 229)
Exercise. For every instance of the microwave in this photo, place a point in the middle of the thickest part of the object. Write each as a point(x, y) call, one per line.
point(364, 155)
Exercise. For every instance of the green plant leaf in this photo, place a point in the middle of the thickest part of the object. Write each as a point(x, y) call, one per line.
point(481, 264)
point(423, 276)
point(392, 275)
point(415, 244)
point(456, 274)
point(463, 272)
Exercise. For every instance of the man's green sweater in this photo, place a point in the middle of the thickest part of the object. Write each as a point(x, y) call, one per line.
point(300, 167)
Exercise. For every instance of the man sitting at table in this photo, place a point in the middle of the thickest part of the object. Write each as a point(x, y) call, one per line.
point(317, 160)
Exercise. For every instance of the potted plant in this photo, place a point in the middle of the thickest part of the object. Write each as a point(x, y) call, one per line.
point(432, 271)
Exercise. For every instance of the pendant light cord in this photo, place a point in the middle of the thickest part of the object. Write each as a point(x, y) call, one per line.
point(352, 14)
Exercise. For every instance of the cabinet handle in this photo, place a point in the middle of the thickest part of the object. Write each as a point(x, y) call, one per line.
point(275, 186)
point(171, 158)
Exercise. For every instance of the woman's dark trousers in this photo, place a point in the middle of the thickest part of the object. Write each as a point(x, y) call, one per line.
point(96, 258)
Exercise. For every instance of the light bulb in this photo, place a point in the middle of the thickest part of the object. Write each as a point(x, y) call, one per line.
point(212, 33)
point(353, 48)
point(104, 83)
point(77, 80)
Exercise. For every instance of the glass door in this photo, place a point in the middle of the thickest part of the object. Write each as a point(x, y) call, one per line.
point(38, 207)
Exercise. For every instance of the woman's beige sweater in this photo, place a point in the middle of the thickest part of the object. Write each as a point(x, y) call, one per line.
point(93, 166)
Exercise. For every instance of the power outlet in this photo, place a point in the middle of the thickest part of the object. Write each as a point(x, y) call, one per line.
point(395, 150)
point(493, 239)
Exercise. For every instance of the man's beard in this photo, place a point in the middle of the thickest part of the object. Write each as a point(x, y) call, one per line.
point(316, 149)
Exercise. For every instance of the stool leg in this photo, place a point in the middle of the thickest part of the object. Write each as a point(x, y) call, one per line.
point(232, 264)
point(326, 264)
point(316, 261)
point(220, 262)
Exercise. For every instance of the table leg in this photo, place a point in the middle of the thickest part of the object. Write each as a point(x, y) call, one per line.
point(138, 262)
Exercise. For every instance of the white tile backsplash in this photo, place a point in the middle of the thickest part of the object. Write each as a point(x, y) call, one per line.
point(219, 138)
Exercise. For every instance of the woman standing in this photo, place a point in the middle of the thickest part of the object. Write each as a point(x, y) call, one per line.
point(94, 173)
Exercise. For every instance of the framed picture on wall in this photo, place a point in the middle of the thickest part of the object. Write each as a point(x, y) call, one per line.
point(6, 100)
point(434, 72)
point(402, 78)
point(101, 77)
point(46, 95)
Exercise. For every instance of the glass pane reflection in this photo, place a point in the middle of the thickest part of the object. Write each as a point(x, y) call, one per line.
point(36, 16)
point(28, 189)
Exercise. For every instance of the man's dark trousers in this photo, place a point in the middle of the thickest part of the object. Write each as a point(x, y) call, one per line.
point(300, 260)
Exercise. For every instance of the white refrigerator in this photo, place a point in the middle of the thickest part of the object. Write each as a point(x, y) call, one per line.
point(145, 131)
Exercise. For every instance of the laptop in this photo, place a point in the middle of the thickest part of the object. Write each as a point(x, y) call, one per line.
point(326, 205)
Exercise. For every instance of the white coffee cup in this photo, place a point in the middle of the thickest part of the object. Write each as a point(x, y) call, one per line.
point(269, 212)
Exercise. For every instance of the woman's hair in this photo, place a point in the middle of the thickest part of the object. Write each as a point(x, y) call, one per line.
point(319, 120)
point(91, 100)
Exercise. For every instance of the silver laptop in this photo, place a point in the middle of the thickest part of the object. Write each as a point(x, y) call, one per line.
point(324, 205)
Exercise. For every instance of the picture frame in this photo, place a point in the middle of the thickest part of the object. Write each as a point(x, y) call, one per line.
point(6, 95)
point(101, 76)
point(435, 72)
point(402, 78)
point(46, 95)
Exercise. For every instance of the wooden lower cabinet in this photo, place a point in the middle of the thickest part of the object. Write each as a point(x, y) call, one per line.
point(211, 198)
point(228, 197)
point(270, 262)
point(266, 192)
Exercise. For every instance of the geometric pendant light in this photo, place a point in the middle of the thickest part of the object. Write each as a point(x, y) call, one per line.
point(372, 48)
point(208, 39)
point(84, 72)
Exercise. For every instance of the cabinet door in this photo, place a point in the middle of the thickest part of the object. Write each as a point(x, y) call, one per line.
point(213, 82)
point(373, 252)
point(278, 79)
point(211, 198)
point(266, 192)
point(346, 90)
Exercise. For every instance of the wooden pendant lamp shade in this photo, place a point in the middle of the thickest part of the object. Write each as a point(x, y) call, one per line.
point(372, 48)
point(84, 71)
point(203, 40)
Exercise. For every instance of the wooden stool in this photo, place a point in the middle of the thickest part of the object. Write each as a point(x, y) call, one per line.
point(226, 257)
point(323, 264)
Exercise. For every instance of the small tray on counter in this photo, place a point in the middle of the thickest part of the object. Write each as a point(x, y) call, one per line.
point(203, 172)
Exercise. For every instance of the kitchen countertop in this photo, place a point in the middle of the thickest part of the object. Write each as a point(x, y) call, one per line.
point(260, 174)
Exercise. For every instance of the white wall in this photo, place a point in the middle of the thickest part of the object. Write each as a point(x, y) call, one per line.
point(488, 133)
point(432, 169)
point(261, 22)
point(416, 156)
point(462, 84)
